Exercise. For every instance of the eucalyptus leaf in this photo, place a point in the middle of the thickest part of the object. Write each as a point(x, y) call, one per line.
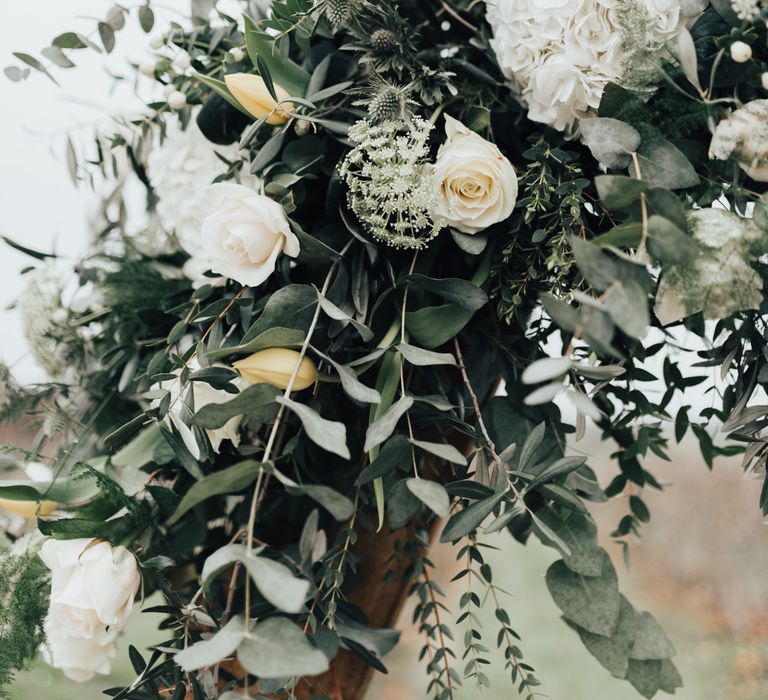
point(591, 602)
point(277, 648)
point(423, 358)
point(209, 652)
point(330, 435)
point(610, 140)
point(470, 518)
point(431, 494)
point(442, 450)
point(384, 426)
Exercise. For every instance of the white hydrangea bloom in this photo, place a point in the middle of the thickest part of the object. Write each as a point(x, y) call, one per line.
point(181, 169)
point(560, 54)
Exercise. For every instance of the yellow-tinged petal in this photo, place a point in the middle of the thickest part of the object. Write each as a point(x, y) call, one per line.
point(251, 92)
point(28, 509)
point(275, 366)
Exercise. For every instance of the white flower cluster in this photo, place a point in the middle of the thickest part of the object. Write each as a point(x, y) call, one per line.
point(744, 136)
point(92, 589)
point(560, 54)
point(747, 10)
point(720, 280)
point(181, 169)
point(393, 189)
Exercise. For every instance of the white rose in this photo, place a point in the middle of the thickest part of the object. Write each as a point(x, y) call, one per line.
point(78, 657)
point(244, 234)
point(92, 586)
point(202, 395)
point(478, 184)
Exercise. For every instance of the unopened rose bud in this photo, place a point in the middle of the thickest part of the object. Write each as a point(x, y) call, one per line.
point(275, 366)
point(741, 52)
point(251, 92)
point(177, 100)
point(28, 509)
point(168, 90)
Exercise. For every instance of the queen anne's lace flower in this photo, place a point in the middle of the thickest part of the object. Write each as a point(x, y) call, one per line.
point(392, 187)
point(560, 54)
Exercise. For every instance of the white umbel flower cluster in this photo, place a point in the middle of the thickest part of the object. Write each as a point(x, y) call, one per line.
point(393, 189)
point(560, 54)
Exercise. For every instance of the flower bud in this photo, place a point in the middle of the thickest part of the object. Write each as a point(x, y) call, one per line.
point(177, 100)
point(28, 509)
point(157, 42)
point(764, 80)
point(148, 68)
point(237, 54)
point(275, 366)
point(741, 52)
point(181, 62)
point(251, 92)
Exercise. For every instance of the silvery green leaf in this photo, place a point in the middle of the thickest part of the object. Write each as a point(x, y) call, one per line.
point(275, 581)
point(610, 140)
point(339, 506)
point(328, 434)
point(383, 427)
point(591, 602)
point(431, 494)
point(545, 369)
point(599, 371)
point(210, 651)
point(613, 652)
point(651, 641)
point(627, 305)
point(422, 358)
point(544, 394)
point(469, 519)
point(686, 54)
point(442, 450)
point(256, 402)
point(549, 533)
point(337, 314)
point(277, 648)
point(474, 244)
point(560, 467)
point(352, 385)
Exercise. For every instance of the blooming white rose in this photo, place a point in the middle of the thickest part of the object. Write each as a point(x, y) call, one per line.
point(202, 395)
point(478, 184)
point(181, 168)
point(92, 589)
point(92, 585)
point(79, 658)
point(244, 233)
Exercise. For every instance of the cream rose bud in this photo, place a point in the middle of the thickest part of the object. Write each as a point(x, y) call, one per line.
point(244, 234)
point(251, 92)
point(478, 184)
point(275, 366)
point(92, 586)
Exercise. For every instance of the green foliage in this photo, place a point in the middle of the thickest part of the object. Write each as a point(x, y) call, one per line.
point(24, 592)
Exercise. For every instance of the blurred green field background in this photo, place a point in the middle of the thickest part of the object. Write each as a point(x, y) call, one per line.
point(701, 568)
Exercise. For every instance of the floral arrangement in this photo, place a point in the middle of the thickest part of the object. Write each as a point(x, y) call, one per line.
point(388, 262)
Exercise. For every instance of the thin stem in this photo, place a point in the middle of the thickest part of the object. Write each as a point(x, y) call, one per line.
point(256, 499)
